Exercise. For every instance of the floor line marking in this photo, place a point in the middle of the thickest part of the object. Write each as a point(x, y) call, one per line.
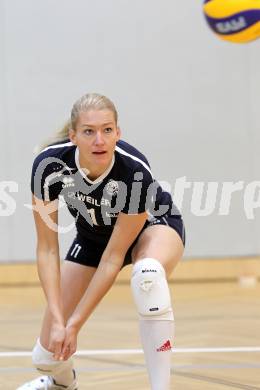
point(92, 352)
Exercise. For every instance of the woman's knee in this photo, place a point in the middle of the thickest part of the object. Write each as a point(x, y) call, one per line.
point(150, 290)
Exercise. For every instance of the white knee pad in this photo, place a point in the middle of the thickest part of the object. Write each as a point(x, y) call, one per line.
point(45, 363)
point(150, 290)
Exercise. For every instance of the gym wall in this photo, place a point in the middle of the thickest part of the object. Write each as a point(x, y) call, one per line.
point(186, 99)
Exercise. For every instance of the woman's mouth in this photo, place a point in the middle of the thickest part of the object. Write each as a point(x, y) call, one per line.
point(99, 152)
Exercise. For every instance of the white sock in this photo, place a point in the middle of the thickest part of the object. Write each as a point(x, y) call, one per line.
point(64, 378)
point(61, 372)
point(156, 337)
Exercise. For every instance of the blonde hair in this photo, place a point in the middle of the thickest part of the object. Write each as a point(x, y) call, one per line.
point(90, 101)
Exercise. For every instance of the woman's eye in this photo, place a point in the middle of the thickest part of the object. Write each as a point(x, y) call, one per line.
point(88, 131)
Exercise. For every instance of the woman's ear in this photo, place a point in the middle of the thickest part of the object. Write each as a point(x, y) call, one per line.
point(72, 136)
point(118, 130)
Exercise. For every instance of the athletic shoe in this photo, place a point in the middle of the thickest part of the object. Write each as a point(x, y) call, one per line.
point(47, 383)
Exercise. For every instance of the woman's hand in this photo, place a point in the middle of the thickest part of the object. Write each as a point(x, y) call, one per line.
point(70, 343)
point(56, 341)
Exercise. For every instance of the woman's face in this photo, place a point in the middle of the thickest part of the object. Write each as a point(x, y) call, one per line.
point(95, 135)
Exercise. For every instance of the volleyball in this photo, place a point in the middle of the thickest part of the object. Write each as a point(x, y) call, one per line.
point(236, 21)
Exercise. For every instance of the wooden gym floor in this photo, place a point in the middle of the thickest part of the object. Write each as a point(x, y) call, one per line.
point(208, 315)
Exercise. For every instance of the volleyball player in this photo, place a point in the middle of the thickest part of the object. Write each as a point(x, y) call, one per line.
point(122, 216)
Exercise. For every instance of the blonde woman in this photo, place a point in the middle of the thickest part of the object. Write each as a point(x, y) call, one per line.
point(122, 216)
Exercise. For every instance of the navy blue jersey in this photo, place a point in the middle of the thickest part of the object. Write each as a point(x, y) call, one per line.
point(126, 186)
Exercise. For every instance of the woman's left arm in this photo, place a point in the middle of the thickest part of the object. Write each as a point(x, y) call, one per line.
point(125, 231)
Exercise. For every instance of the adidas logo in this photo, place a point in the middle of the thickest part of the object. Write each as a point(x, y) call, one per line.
point(148, 270)
point(165, 347)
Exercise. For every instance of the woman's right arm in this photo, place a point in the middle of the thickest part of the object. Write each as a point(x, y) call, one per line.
point(48, 260)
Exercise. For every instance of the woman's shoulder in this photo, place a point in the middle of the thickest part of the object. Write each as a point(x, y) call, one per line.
point(62, 151)
point(131, 154)
point(130, 161)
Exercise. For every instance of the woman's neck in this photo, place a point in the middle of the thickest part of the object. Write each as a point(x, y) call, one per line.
point(94, 172)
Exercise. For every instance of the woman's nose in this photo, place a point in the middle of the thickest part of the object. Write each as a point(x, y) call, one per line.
point(99, 138)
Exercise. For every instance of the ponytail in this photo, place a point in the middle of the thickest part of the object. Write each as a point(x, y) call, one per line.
point(60, 135)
